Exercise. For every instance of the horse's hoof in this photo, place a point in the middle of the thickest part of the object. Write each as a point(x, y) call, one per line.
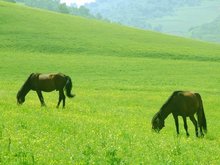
point(202, 135)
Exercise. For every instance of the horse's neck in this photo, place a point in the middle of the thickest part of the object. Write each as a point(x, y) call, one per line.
point(25, 89)
point(165, 112)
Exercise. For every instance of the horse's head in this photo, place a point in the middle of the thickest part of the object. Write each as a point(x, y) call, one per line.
point(20, 98)
point(157, 122)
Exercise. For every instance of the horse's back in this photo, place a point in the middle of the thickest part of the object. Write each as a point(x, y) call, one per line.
point(50, 75)
point(46, 76)
point(48, 82)
point(187, 102)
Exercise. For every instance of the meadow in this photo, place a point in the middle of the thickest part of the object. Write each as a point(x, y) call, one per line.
point(121, 77)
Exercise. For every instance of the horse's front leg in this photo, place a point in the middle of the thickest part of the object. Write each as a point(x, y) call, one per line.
point(40, 96)
point(185, 125)
point(176, 123)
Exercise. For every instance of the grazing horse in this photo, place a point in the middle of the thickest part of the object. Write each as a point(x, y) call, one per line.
point(185, 104)
point(46, 82)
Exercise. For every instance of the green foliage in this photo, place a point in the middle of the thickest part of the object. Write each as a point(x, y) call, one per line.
point(53, 5)
point(13, 1)
point(63, 8)
point(56, 5)
point(121, 77)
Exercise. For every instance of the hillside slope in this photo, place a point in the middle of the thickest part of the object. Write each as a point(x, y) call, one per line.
point(33, 30)
point(168, 16)
point(209, 32)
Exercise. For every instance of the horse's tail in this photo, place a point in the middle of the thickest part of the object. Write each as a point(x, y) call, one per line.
point(68, 87)
point(201, 114)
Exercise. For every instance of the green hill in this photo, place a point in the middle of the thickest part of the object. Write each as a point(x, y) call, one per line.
point(209, 32)
point(168, 16)
point(34, 30)
point(121, 77)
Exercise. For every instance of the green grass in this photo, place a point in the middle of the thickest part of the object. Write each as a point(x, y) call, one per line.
point(121, 77)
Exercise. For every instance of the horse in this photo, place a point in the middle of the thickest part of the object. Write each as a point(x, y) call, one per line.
point(46, 82)
point(185, 104)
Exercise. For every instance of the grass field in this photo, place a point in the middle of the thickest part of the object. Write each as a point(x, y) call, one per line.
point(121, 77)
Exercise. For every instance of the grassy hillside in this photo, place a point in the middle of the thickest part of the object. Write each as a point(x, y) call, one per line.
point(36, 31)
point(121, 77)
point(209, 32)
point(173, 18)
point(188, 17)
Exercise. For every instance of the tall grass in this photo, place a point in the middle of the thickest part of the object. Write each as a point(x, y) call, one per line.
point(109, 120)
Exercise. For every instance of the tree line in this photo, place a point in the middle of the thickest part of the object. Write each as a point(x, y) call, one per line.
point(57, 6)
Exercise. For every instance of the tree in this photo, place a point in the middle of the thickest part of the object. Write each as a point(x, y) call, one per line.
point(12, 1)
point(63, 8)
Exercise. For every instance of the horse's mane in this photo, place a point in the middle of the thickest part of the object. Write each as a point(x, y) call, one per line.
point(27, 81)
point(169, 99)
point(24, 86)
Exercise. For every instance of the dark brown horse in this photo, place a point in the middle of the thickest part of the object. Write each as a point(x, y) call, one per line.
point(46, 82)
point(185, 104)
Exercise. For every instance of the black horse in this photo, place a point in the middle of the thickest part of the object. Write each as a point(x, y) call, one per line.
point(47, 83)
point(185, 104)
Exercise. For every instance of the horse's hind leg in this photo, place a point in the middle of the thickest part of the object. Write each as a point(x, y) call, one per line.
point(199, 123)
point(64, 98)
point(40, 96)
point(185, 125)
point(61, 97)
point(192, 118)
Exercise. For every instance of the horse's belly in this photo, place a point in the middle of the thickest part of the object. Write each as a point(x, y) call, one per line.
point(187, 108)
point(46, 85)
point(47, 90)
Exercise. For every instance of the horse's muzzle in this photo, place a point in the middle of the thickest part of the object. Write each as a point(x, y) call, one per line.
point(19, 103)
